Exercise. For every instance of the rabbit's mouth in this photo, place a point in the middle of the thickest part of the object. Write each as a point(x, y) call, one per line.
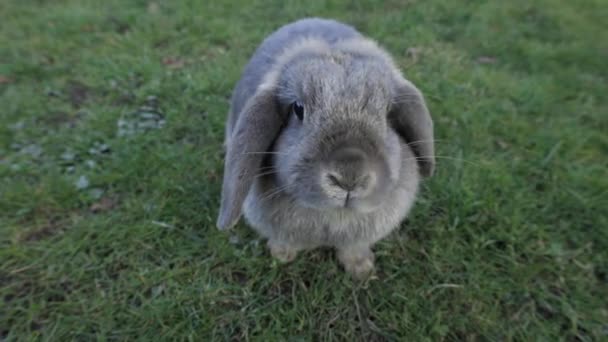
point(340, 200)
point(360, 206)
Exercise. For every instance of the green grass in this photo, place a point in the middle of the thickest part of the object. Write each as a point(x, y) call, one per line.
point(509, 241)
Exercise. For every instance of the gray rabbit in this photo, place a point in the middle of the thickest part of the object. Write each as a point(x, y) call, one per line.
point(326, 143)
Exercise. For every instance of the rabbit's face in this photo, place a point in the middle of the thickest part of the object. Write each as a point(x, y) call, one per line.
point(337, 149)
point(332, 121)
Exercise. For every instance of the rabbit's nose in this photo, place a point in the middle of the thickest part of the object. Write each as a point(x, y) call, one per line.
point(348, 155)
point(349, 170)
point(348, 183)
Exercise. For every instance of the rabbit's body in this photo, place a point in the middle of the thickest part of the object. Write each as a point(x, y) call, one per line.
point(326, 143)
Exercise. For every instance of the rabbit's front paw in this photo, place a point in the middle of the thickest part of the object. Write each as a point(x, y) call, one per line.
point(282, 252)
point(359, 262)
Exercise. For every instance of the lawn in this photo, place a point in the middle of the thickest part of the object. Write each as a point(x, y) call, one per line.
point(111, 127)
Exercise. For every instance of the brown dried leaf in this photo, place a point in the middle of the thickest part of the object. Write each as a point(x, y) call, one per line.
point(173, 63)
point(78, 93)
point(486, 60)
point(5, 79)
point(87, 28)
point(104, 204)
point(44, 231)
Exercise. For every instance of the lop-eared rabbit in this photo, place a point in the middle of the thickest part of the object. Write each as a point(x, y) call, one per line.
point(326, 143)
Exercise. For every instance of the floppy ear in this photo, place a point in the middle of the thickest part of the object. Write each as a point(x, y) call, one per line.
point(411, 119)
point(257, 126)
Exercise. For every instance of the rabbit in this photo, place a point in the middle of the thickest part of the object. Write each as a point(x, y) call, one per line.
point(325, 144)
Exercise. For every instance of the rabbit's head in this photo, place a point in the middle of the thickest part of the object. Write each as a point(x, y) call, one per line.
point(327, 124)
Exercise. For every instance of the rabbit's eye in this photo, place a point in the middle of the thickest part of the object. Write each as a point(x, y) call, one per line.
point(298, 110)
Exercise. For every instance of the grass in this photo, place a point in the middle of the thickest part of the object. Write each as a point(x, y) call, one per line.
point(107, 208)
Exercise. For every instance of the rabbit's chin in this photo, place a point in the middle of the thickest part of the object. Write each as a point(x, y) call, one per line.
point(355, 206)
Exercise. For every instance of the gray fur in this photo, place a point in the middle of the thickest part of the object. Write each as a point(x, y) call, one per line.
point(265, 56)
point(345, 175)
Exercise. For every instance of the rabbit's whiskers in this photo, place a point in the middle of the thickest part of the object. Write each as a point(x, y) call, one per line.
point(418, 142)
point(266, 173)
point(273, 192)
point(253, 152)
point(445, 157)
